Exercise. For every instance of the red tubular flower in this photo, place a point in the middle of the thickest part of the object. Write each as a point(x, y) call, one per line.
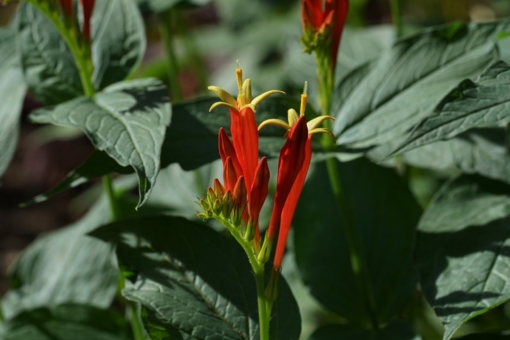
point(88, 7)
point(318, 22)
point(290, 205)
point(246, 141)
point(67, 8)
point(226, 149)
point(291, 161)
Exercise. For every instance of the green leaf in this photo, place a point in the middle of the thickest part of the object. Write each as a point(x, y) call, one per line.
point(47, 63)
point(67, 322)
point(481, 104)
point(118, 41)
point(410, 79)
point(127, 120)
point(64, 266)
point(396, 330)
point(191, 140)
point(118, 47)
point(193, 283)
point(12, 93)
point(386, 214)
point(477, 151)
point(462, 249)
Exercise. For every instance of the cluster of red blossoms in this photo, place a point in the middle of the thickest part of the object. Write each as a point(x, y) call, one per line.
point(323, 25)
point(87, 6)
point(237, 203)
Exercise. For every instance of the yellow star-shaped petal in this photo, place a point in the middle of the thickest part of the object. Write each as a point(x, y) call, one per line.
point(292, 117)
point(244, 97)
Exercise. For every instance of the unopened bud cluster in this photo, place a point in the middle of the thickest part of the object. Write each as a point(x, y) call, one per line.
point(222, 204)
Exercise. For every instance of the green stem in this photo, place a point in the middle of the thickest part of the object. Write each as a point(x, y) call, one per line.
point(264, 309)
point(264, 306)
point(396, 13)
point(165, 21)
point(112, 197)
point(136, 325)
point(358, 261)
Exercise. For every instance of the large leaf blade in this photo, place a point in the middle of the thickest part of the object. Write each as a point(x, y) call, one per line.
point(48, 66)
point(127, 120)
point(465, 234)
point(64, 266)
point(481, 104)
point(410, 79)
point(118, 41)
point(322, 251)
point(193, 282)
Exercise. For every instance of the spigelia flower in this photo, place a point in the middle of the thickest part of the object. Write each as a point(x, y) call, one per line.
point(241, 165)
point(293, 166)
point(88, 7)
point(243, 126)
point(323, 25)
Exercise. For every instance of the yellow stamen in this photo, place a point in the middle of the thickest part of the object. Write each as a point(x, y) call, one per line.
point(277, 122)
point(247, 90)
point(314, 123)
point(304, 97)
point(259, 98)
point(292, 117)
point(223, 95)
point(322, 130)
point(218, 104)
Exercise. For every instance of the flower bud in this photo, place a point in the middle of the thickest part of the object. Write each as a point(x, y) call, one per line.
point(218, 188)
point(265, 252)
point(240, 200)
point(228, 204)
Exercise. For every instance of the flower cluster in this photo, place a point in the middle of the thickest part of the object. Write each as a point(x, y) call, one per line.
point(237, 202)
point(323, 26)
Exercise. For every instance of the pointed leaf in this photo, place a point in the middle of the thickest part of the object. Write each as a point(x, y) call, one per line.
point(127, 120)
point(118, 41)
point(410, 79)
point(462, 249)
point(385, 213)
point(481, 104)
point(194, 283)
point(64, 266)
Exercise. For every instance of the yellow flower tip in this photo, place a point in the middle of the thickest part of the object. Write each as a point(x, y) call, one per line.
point(277, 122)
point(304, 98)
point(314, 123)
point(257, 100)
point(223, 104)
point(247, 90)
point(292, 116)
point(239, 76)
point(223, 95)
point(322, 130)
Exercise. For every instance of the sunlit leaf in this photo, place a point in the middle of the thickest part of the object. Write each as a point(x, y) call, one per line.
point(127, 120)
point(194, 283)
